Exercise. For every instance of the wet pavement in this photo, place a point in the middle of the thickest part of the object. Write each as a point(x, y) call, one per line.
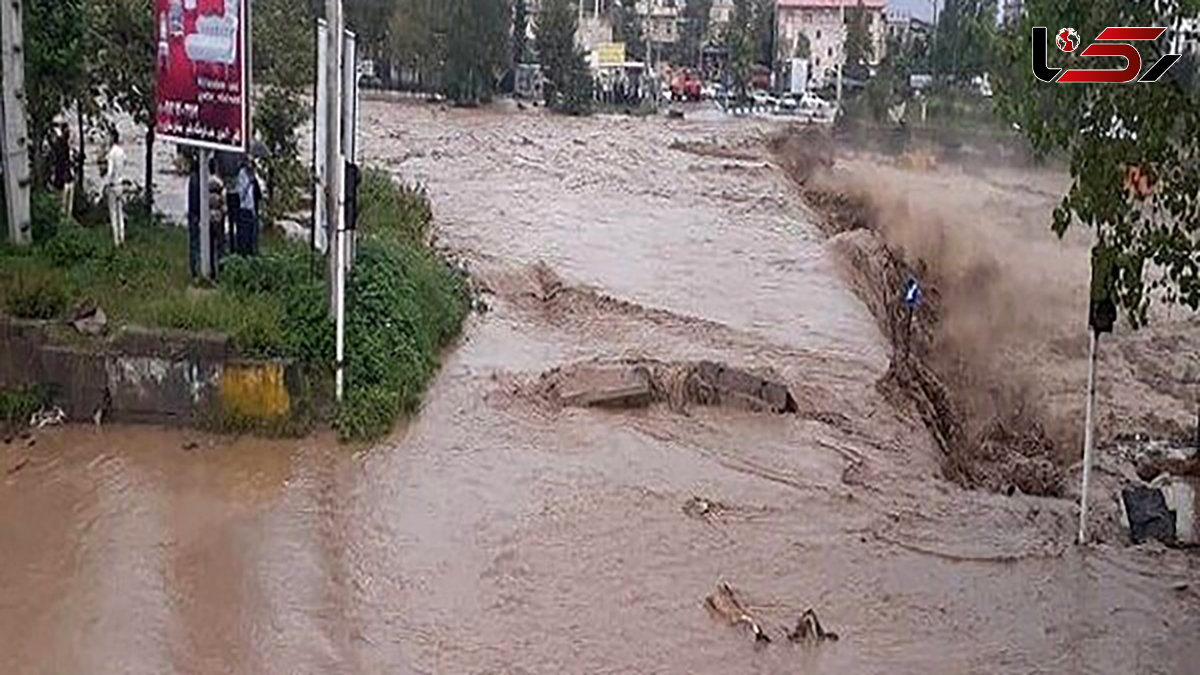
point(496, 534)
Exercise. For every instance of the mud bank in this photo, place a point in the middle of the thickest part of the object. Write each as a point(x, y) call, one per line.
point(987, 359)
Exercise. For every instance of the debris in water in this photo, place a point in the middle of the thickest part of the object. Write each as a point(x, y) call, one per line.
point(43, 418)
point(18, 466)
point(640, 382)
point(725, 605)
point(699, 507)
point(809, 630)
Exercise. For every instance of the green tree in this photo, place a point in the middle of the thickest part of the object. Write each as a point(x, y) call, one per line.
point(418, 39)
point(627, 28)
point(123, 50)
point(369, 21)
point(568, 84)
point(284, 70)
point(694, 32)
point(967, 31)
point(764, 31)
point(740, 45)
point(55, 76)
point(859, 49)
point(476, 48)
point(1152, 240)
point(803, 48)
point(520, 33)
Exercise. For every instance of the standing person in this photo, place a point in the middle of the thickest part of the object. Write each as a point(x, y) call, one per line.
point(112, 184)
point(246, 234)
point(62, 169)
point(194, 195)
point(218, 234)
point(230, 163)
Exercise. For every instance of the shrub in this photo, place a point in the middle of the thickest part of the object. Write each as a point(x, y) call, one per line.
point(403, 304)
point(402, 212)
point(71, 245)
point(37, 295)
point(45, 215)
point(17, 405)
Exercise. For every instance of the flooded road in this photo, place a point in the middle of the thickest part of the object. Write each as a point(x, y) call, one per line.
point(495, 533)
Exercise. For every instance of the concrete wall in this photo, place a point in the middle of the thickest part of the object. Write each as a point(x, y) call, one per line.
point(137, 375)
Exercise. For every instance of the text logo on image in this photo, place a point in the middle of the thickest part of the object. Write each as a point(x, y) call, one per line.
point(1112, 41)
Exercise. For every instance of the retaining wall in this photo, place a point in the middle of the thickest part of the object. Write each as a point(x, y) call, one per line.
point(147, 376)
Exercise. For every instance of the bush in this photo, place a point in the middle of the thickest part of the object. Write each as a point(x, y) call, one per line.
point(45, 215)
point(37, 295)
point(71, 245)
point(403, 304)
point(18, 405)
point(399, 211)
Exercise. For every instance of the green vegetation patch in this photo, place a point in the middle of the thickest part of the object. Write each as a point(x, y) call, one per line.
point(404, 302)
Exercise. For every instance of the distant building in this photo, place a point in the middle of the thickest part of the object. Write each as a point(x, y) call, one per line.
point(719, 15)
point(823, 22)
point(905, 28)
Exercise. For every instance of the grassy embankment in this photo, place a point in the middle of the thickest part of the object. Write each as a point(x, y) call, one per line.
point(404, 301)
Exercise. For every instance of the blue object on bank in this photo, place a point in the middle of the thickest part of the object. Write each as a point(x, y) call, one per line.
point(912, 293)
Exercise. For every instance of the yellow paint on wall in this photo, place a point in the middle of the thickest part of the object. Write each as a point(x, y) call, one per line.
point(255, 391)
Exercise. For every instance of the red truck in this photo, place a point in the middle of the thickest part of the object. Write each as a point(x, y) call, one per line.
point(685, 85)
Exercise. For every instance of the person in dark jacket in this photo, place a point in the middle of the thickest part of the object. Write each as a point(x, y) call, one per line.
point(249, 201)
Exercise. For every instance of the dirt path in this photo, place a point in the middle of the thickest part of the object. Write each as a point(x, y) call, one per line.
point(500, 534)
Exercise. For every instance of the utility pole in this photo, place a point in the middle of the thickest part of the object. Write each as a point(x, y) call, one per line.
point(15, 143)
point(335, 172)
point(1088, 435)
point(1102, 315)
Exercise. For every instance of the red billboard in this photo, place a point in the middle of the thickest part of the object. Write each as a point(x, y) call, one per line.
point(202, 76)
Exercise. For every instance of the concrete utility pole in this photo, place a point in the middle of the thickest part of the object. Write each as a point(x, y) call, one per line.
point(1088, 435)
point(15, 144)
point(333, 143)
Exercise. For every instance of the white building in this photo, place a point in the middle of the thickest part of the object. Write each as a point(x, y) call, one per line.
point(823, 22)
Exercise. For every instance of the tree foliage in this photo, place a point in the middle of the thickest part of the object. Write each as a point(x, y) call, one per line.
point(693, 34)
point(568, 84)
point(476, 48)
point(763, 31)
point(965, 41)
point(740, 45)
point(520, 33)
point(860, 51)
point(627, 28)
point(55, 44)
point(1151, 237)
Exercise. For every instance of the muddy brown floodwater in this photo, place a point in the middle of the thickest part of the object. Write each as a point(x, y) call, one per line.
point(496, 533)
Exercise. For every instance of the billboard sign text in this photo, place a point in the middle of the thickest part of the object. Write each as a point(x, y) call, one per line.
point(201, 70)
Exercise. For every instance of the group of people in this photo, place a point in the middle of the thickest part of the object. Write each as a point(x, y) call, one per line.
point(62, 175)
point(233, 192)
point(234, 198)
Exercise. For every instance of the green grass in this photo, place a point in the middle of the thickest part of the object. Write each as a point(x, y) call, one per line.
point(404, 302)
point(147, 282)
